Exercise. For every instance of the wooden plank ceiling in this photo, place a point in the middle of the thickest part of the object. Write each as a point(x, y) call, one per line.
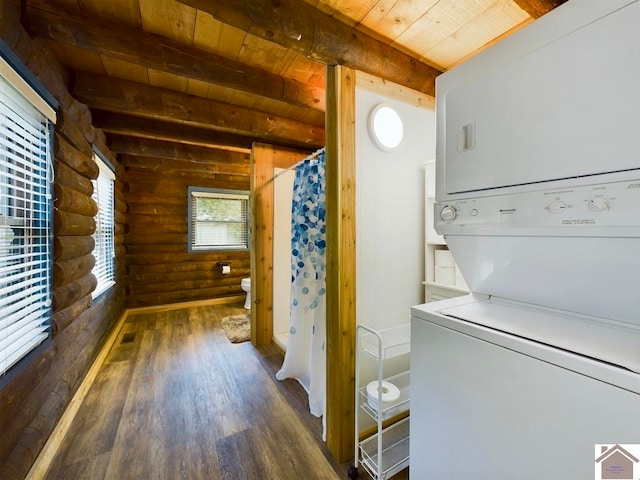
point(171, 78)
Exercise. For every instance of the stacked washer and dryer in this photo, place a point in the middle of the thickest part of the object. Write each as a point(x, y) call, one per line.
point(538, 197)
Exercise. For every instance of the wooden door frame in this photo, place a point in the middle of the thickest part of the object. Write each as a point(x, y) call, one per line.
point(264, 158)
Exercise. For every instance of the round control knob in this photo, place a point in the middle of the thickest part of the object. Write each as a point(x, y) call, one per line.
point(598, 204)
point(557, 206)
point(448, 213)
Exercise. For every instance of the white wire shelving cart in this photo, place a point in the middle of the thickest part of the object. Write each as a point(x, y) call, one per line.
point(386, 452)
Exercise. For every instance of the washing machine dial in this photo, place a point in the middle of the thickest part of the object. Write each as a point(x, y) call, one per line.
point(557, 206)
point(598, 204)
point(448, 213)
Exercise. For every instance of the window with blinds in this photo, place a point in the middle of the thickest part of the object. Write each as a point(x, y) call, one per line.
point(218, 219)
point(104, 253)
point(26, 120)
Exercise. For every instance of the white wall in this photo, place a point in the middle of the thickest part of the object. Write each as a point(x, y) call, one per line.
point(390, 214)
point(282, 193)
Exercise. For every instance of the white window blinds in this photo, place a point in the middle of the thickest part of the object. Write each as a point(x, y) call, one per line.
point(104, 253)
point(219, 219)
point(25, 220)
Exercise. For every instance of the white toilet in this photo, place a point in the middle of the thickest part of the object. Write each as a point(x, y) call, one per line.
point(246, 286)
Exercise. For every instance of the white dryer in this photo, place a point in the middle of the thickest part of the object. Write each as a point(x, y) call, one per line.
point(538, 198)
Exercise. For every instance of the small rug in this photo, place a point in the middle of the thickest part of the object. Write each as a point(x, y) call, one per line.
point(237, 327)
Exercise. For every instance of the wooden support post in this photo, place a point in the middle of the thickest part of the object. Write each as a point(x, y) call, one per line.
point(262, 239)
point(341, 261)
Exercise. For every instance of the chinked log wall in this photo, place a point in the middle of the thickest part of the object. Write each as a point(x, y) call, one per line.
point(160, 268)
point(33, 398)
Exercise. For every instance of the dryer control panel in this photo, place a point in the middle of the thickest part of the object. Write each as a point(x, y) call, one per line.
point(599, 209)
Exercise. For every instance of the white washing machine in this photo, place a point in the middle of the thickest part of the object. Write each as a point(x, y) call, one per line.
point(489, 404)
point(538, 199)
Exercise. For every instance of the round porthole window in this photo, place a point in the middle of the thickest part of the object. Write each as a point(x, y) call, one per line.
point(385, 127)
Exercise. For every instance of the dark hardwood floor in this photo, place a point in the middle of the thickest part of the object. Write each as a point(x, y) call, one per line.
point(176, 400)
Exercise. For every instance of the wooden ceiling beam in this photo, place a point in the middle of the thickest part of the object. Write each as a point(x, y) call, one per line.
point(301, 27)
point(537, 8)
point(142, 127)
point(115, 95)
point(145, 147)
point(181, 167)
point(165, 55)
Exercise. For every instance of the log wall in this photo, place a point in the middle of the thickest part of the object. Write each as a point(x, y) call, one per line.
point(34, 395)
point(160, 269)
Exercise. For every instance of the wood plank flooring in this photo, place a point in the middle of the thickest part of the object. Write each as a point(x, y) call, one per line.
point(176, 400)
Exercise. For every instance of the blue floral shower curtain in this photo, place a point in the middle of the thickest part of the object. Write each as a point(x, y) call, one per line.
point(305, 356)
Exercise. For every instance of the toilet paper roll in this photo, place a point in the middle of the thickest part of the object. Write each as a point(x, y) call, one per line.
point(390, 393)
point(226, 269)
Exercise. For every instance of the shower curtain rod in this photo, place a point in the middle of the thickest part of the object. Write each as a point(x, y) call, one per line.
point(291, 167)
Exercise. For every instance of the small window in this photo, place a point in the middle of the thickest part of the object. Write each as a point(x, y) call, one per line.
point(104, 253)
point(385, 127)
point(26, 122)
point(218, 220)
